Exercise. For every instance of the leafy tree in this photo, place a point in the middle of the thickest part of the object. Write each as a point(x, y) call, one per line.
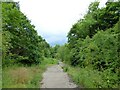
point(94, 40)
point(54, 51)
point(20, 39)
point(109, 15)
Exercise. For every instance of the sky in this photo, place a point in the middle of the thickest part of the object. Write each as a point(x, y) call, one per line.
point(53, 19)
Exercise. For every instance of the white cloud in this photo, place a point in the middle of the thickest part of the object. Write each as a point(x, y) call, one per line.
point(54, 17)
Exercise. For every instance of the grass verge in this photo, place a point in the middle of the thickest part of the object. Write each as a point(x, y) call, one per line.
point(23, 76)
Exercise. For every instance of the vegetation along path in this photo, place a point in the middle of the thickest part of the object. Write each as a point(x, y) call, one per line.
point(54, 77)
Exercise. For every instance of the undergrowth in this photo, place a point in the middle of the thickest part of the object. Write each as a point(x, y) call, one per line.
point(89, 78)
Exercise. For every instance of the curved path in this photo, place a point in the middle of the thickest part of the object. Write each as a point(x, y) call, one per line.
point(54, 77)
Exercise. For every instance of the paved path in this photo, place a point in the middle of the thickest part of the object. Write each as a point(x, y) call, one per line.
point(54, 77)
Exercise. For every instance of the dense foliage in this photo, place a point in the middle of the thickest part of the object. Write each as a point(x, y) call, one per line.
point(20, 41)
point(94, 42)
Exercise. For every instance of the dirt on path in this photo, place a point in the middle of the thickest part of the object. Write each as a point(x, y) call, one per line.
point(54, 77)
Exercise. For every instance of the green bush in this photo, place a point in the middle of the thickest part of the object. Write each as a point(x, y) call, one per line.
point(89, 78)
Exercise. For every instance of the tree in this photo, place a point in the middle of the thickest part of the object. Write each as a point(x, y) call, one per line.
point(20, 39)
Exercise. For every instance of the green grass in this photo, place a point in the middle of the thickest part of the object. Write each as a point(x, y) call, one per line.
point(89, 78)
point(0, 55)
point(23, 76)
point(0, 77)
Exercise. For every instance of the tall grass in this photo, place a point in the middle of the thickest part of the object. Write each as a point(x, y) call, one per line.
point(89, 78)
point(23, 76)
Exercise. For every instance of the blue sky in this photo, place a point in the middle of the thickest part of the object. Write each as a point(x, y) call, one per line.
point(54, 18)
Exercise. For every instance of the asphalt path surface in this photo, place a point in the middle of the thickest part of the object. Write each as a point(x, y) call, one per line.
point(54, 77)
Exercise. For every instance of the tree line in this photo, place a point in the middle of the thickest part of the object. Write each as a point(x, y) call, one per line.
point(94, 41)
point(20, 41)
